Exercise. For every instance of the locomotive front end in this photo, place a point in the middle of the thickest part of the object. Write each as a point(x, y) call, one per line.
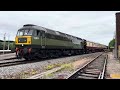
point(23, 41)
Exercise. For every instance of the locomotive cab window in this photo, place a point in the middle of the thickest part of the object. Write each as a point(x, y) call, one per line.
point(28, 32)
point(24, 32)
point(20, 33)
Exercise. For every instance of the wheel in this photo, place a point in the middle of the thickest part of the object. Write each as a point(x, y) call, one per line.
point(18, 55)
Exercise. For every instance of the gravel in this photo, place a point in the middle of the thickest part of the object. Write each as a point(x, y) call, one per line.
point(17, 70)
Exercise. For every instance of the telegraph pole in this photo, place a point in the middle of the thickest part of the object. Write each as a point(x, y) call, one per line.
point(8, 41)
point(4, 43)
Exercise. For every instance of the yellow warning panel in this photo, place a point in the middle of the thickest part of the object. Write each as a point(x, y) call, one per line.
point(115, 76)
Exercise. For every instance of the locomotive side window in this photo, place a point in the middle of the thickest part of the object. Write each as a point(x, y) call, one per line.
point(36, 33)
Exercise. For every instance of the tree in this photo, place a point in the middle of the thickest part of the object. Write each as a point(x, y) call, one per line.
point(12, 46)
point(112, 43)
point(1, 46)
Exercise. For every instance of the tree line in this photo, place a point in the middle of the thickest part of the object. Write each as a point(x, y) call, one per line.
point(5, 44)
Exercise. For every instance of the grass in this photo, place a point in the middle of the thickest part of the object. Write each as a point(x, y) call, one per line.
point(26, 74)
point(48, 75)
point(49, 67)
point(31, 72)
point(68, 66)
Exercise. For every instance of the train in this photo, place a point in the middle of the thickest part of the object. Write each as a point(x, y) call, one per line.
point(33, 42)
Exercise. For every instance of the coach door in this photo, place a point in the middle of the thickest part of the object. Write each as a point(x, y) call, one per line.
point(43, 39)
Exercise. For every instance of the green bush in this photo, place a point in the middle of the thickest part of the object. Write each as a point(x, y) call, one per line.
point(112, 43)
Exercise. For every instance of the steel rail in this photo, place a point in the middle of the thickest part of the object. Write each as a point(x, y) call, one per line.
point(102, 74)
point(80, 69)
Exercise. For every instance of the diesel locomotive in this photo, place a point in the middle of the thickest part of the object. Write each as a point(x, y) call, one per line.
point(33, 41)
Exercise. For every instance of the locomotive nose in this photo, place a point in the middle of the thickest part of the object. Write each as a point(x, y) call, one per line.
point(26, 40)
point(22, 40)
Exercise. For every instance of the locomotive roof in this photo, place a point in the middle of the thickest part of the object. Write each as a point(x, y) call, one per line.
point(39, 28)
point(50, 31)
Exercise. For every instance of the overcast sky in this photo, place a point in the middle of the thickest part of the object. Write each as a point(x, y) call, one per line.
point(97, 26)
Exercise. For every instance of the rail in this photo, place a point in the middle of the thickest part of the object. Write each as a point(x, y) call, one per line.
point(102, 74)
point(91, 72)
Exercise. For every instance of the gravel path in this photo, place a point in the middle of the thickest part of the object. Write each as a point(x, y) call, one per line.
point(113, 67)
point(37, 67)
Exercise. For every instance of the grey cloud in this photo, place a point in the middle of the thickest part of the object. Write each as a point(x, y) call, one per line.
point(91, 25)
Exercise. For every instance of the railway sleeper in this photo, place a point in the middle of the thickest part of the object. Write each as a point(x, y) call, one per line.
point(91, 69)
point(84, 77)
point(89, 75)
point(94, 73)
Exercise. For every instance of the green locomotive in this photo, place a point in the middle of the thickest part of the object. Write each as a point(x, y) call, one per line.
point(34, 41)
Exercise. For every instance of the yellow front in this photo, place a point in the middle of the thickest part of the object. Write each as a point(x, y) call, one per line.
point(28, 40)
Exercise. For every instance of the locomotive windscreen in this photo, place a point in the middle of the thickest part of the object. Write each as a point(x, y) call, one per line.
point(24, 32)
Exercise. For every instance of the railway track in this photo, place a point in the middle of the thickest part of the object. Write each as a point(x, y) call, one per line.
point(56, 70)
point(1, 53)
point(95, 69)
point(11, 63)
point(16, 62)
point(9, 56)
point(5, 61)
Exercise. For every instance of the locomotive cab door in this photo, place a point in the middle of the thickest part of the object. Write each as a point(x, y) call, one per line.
point(43, 39)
